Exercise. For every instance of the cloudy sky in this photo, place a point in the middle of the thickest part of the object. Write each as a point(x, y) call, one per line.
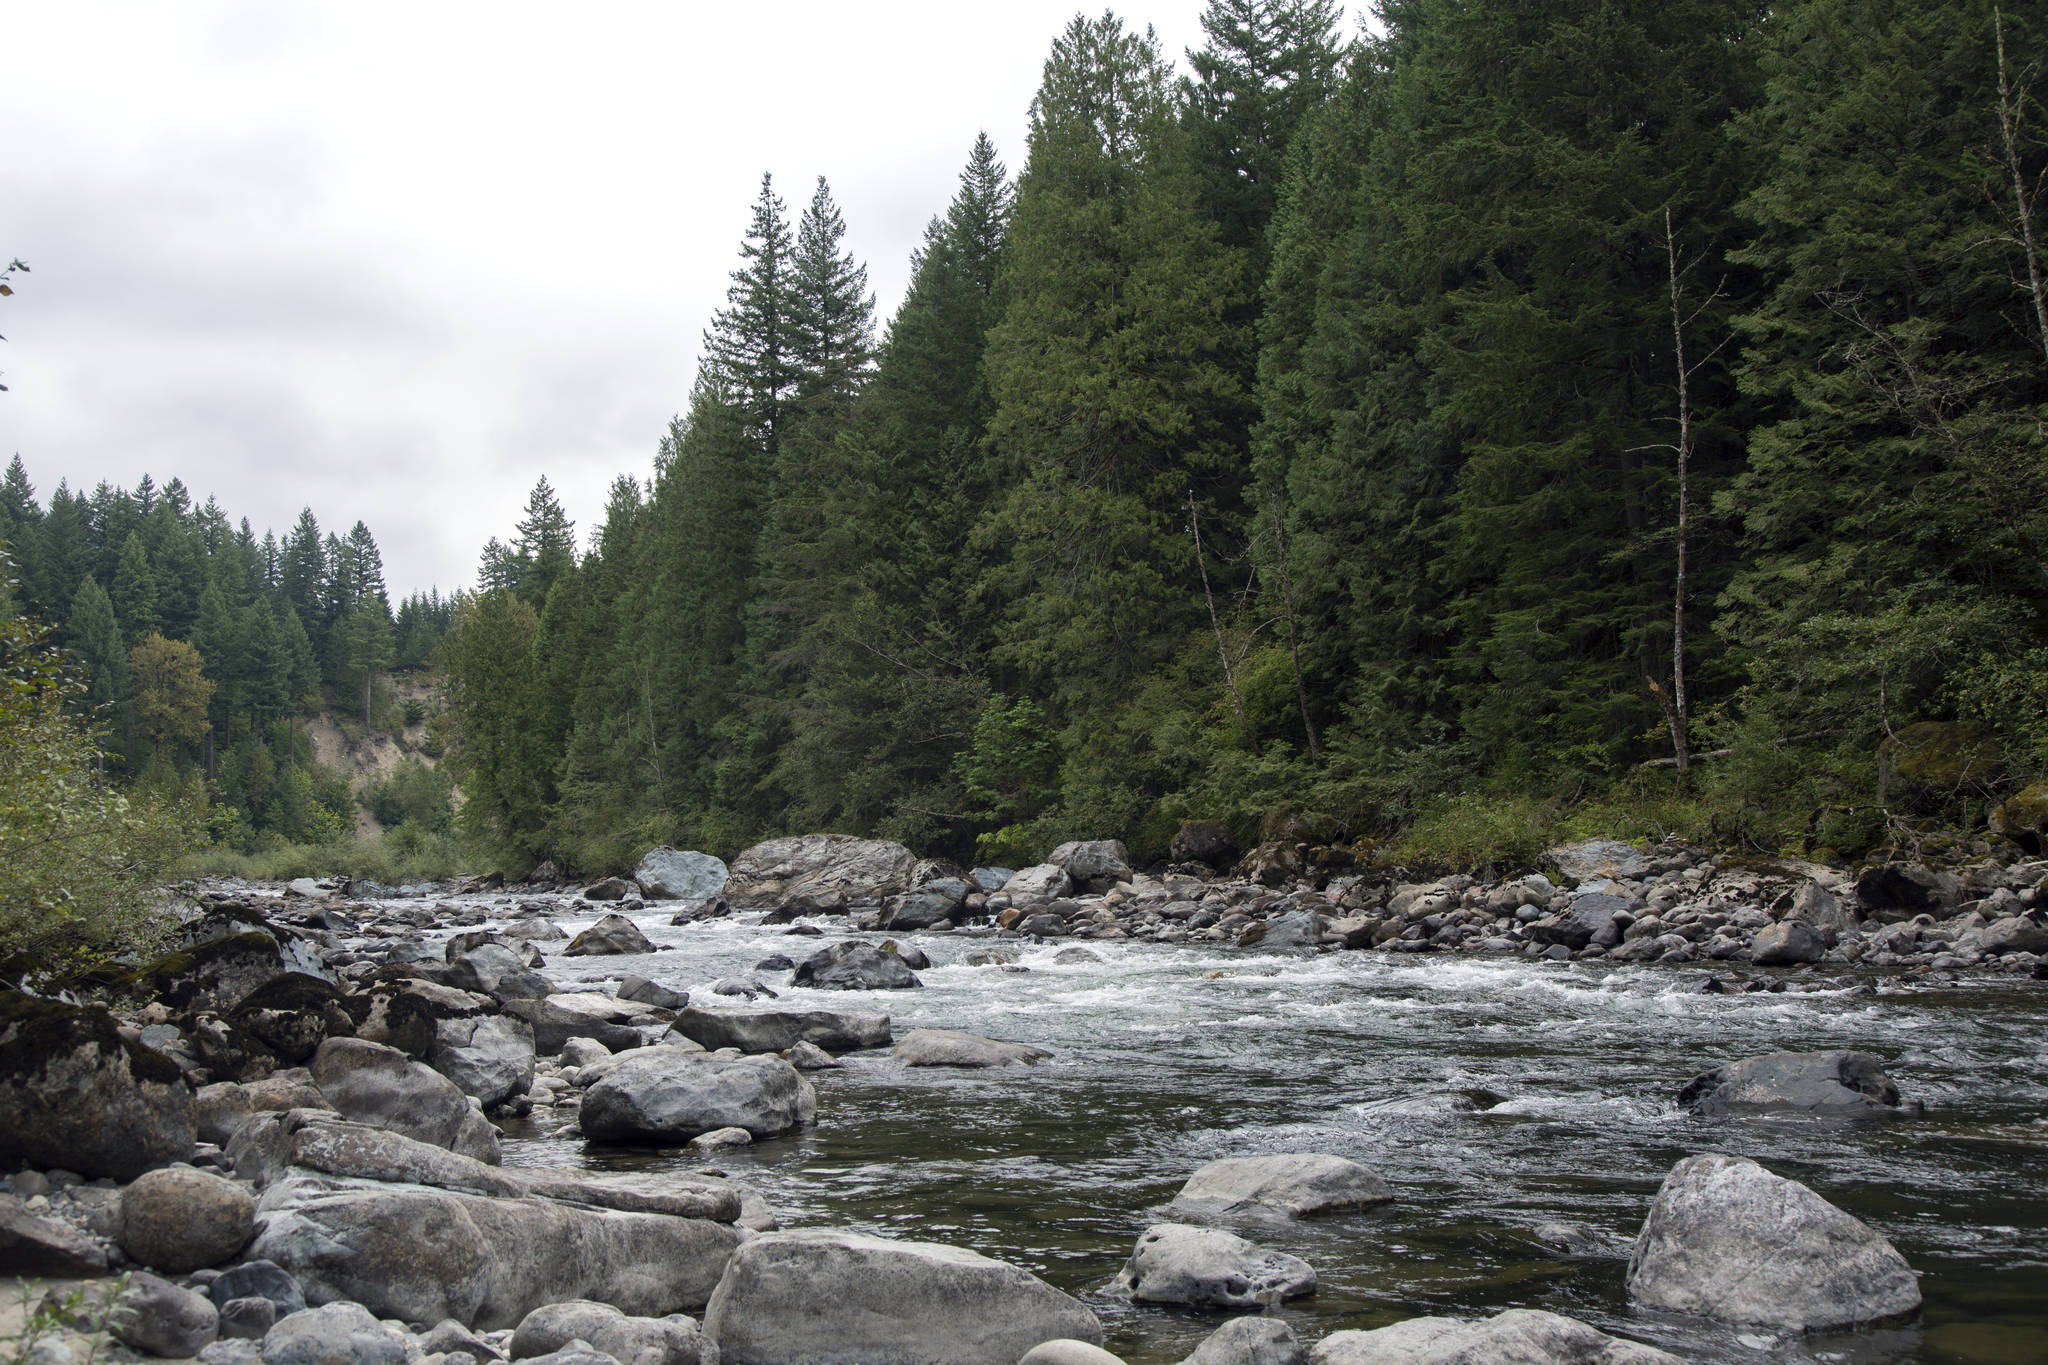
point(395, 261)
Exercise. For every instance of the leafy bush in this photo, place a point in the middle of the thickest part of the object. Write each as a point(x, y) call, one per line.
point(1475, 833)
point(413, 791)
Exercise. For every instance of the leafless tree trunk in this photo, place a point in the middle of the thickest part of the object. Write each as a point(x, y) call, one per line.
point(1680, 710)
point(2011, 112)
point(1308, 726)
point(1244, 728)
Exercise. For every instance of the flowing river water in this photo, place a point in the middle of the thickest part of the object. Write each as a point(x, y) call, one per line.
point(1494, 1095)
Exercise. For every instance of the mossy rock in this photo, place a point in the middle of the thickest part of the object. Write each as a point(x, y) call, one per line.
point(216, 975)
point(1941, 754)
point(293, 1015)
point(75, 1094)
point(2023, 818)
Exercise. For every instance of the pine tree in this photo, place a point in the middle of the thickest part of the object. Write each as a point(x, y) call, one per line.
point(544, 550)
point(751, 345)
point(134, 591)
point(95, 638)
point(831, 310)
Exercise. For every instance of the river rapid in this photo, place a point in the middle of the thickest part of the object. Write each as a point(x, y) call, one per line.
point(1495, 1096)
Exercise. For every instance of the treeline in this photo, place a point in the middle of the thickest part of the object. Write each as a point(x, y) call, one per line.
point(1556, 399)
point(198, 647)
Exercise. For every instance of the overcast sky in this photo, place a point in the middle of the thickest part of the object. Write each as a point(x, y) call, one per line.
point(397, 261)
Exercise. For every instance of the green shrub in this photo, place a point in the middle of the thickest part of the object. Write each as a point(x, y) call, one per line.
point(1476, 833)
point(416, 792)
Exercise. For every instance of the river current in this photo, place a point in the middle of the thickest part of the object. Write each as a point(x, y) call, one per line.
point(1495, 1096)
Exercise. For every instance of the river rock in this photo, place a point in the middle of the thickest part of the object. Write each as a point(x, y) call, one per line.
point(813, 873)
point(499, 971)
point(1523, 1336)
point(612, 936)
point(1728, 1239)
point(1250, 1341)
point(644, 992)
point(1815, 905)
point(179, 1219)
point(265, 1280)
point(673, 1098)
point(384, 1088)
point(1597, 859)
point(1094, 864)
point(1787, 943)
point(586, 1014)
point(1589, 919)
point(532, 928)
point(488, 1056)
point(246, 1319)
point(76, 1095)
point(946, 1047)
point(672, 1340)
point(590, 1073)
point(292, 1015)
point(1044, 882)
point(935, 902)
point(154, 1316)
point(824, 1298)
point(216, 975)
point(402, 1014)
point(332, 1334)
point(674, 875)
point(1180, 1263)
point(1067, 1351)
point(609, 889)
point(1293, 1185)
point(778, 1030)
point(1204, 841)
point(218, 1110)
point(1294, 930)
point(854, 966)
point(35, 1247)
point(421, 1254)
point(1836, 1084)
point(2014, 934)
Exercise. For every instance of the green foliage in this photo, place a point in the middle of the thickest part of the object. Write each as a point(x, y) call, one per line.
point(413, 793)
point(1472, 832)
point(405, 854)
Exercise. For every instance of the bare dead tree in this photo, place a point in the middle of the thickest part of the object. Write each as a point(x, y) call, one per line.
point(2011, 118)
point(1244, 728)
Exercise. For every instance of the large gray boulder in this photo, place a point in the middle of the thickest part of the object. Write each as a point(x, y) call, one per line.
point(488, 1056)
point(612, 936)
point(673, 1097)
point(778, 1030)
point(1598, 859)
point(1519, 1336)
point(179, 1219)
point(1180, 1263)
point(382, 1087)
point(154, 1316)
point(1250, 1341)
point(1787, 943)
point(1728, 1239)
point(935, 902)
point(1046, 881)
point(332, 1334)
point(218, 1110)
point(1835, 1084)
point(829, 1298)
point(587, 1014)
point(292, 1015)
point(1094, 864)
point(423, 1254)
point(673, 1340)
point(948, 1047)
point(670, 874)
point(76, 1095)
point(2014, 934)
point(215, 975)
point(497, 970)
point(854, 966)
point(811, 873)
point(1589, 919)
point(1291, 1185)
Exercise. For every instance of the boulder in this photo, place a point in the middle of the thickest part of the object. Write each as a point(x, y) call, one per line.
point(218, 1110)
point(812, 873)
point(672, 1340)
point(1293, 1185)
point(265, 1280)
point(402, 1014)
point(1045, 882)
point(422, 1254)
point(1180, 1263)
point(854, 966)
point(500, 971)
point(332, 1334)
point(936, 902)
point(672, 1045)
point(76, 1095)
point(1787, 943)
point(778, 1030)
point(532, 928)
point(1250, 1341)
point(2023, 817)
point(1094, 864)
point(674, 1097)
point(610, 889)
point(1597, 859)
point(644, 992)
point(1589, 919)
point(1818, 907)
point(37, 1247)
point(1891, 892)
point(582, 1052)
point(2014, 934)
point(292, 1015)
point(216, 975)
point(1524, 1336)
point(246, 1319)
point(586, 1014)
point(612, 936)
point(673, 875)
point(1835, 1084)
point(154, 1316)
point(822, 1298)
point(1728, 1239)
point(1204, 841)
point(1293, 931)
point(382, 1087)
point(488, 1056)
point(1067, 1351)
point(946, 1047)
point(178, 1219)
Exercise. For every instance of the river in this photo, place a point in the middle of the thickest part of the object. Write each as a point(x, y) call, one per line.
point(1494, 1095)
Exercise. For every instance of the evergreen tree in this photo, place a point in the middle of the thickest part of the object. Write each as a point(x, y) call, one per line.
point(830, 307)
point(134, 591)
point(302, 567)
point(752, 344)
point(95, 639)
point(544, 550)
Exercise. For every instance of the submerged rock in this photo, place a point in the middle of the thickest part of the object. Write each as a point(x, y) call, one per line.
point(854, 966)
point(673, 1097)
point(1835, 1084)
point(948, 1047)
point(1728, 1239)
point(1524, 1336)
point(825, 1298)
point(1179, 1263)
point(1290, 1186)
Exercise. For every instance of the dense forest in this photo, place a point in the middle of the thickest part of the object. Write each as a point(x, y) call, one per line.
point(197, 649)
point(1537, 404)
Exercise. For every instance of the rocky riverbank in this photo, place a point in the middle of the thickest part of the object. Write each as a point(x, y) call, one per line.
point(304, 1093)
